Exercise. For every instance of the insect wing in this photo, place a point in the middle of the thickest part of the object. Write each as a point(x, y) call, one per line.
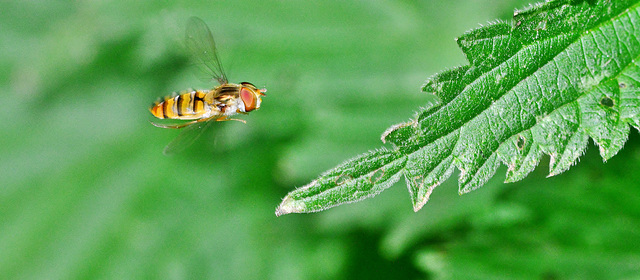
point(202, 47)
point(188, 135)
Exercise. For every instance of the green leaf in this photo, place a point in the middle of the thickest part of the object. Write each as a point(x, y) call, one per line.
point(560, 73)
point(354, 180)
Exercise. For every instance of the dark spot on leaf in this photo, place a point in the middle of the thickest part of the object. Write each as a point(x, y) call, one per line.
point(520, 142)
point(622, 85)
point(375, 177)
point(606, 101)
point(343, 178)
point(418, 181)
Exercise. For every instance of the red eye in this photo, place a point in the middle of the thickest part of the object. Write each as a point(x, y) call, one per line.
point(248, 98)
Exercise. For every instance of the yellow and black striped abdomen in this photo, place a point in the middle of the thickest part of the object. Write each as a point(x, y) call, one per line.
point(185, 106)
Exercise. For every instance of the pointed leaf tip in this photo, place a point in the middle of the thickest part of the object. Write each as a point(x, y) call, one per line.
point(290, 205)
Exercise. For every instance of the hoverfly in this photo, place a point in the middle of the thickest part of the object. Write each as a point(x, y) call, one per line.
point(204, 107)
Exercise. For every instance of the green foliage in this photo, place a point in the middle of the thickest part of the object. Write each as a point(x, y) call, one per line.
point(86, 192)
point(560, 73)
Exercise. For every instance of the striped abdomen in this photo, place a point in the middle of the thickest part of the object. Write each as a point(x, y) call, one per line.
point(185, 106)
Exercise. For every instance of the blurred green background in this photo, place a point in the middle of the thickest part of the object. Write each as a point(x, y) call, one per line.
point(87, 193)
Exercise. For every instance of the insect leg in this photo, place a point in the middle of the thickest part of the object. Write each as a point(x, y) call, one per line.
point(173, 126)
point(182, 125)
point(224, 118)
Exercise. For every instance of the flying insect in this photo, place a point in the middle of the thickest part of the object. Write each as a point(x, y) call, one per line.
point(201, 108)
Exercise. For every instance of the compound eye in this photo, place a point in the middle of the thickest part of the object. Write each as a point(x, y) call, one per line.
point(248, 98)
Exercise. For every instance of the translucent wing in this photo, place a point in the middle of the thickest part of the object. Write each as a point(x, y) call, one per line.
point(188, 135)
point(200, 44)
